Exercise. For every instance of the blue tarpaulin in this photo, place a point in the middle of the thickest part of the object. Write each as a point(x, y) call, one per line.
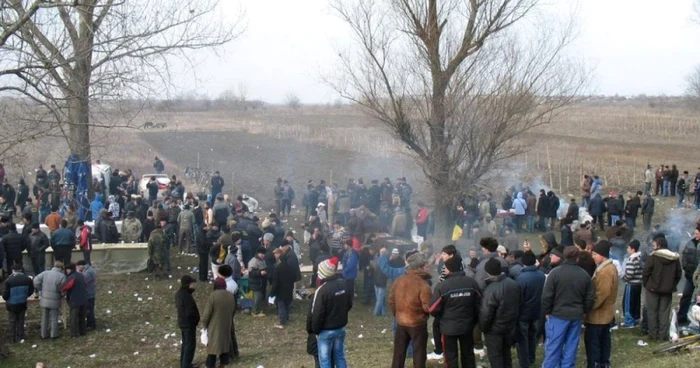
point(76, 182)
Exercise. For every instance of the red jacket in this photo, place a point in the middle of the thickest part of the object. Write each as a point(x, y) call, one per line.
point(422, 215)
point(85, 241)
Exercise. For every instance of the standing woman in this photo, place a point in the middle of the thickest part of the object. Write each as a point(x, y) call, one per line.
point(218, 320)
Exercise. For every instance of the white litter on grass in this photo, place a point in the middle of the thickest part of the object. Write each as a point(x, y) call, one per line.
point(143, 340)
point(642, 343)
point(21, 341)
point(108, 330)
point(617, 311)
point(150, 298)
point(166, 336)
point(136, 353)
point(34, 346)
point(361, 326)
point(128, 273)
point(175, 344)
point(146, 279)
point(360, 336)
point(384, 331)
point(614, 328)
point(140, 299)
point(135, 295)
point(171, 287)
point(109, 311)
point(170, 276)
point(109, 292)
point(148, 323)
point(92, 355)
point(259, 365)
point(680, 294)
point(148, 286)
point(157, 346)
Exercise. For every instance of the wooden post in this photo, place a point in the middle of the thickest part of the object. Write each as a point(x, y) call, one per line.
point(538, 160)
point(617, 170)
point(634, 172)
point(233, 177)
point(549, 168)
point(560, 191)
point(568, 174)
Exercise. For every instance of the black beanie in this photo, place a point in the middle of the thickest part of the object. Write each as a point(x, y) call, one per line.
point(528, 259)
point(602, 248)
point(493, 267)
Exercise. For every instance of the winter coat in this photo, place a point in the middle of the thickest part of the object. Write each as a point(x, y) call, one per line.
point(63, 238)
point(531, 283)
point(520, 205)
point(632, 208)
point(567, 236)
point(75, 290)
point(90, 281)
point(218, 320)
point(49, 284)
point(568, 292)
point(329, 307)
point(690, 257)
point(147, 228)
point(514, 270)
point(596, 207)
point(38, 243)
point(553, 205)
point(662, 272)
point(283, 282)
point(185, 219)
point(107, 231)
point(156, 246)
point(480, 275)
point(18, 288)
point(291, 257)
point(398, 224)
point(256, 280)
point(605, 286)
point(648, 205)
point(186, 306)
point(585, 261)
point(572, 212)
point(131, 230)
point(500, 305)
point(22, 194)
point(14, 245)
point(585, 188)
point(456, 302)
point(350, 263)
point(409, 298)
point(596, 187)
point(543, 206)
point(71, 219)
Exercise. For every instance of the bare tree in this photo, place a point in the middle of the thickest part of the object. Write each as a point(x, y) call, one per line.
point(243, 91)
point(73, 62)
point(293, 101)
point(457, 82)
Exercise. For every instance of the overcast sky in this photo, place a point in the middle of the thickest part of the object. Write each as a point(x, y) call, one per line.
point(634, 46)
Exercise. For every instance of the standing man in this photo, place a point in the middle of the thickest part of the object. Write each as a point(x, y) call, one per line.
point(455, 304)
point(288, 197)
point(531, 282)
point(187, 320)
point(568, 295)
point(648, 211)
point(632, 299)
point(498, 315)
point(48, 284)
point(217, 184)
point(152, 187)
point(38, 243)
point(18, 288)
point(14, 244)
point(91, 287)
point(648, 179)
point(585, 191)
point(282, 287)
point(157, 244)
point(76, 293)
point(277, 192)
point(600, 317)
point(257, 280)
point(350, 264)
point(158, 165)
point(63, 242)
point(660, 277)
point(422, 220)
point(690, 257)
point(328, 316)
point(682, 187)
point(409, 300)
point(131, 229)
point(185, 222)
point(85, 242)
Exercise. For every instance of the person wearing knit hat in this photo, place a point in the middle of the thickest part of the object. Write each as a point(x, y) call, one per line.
point(531, 281)
point(328, 317)
point(498, 315)
point(556, 256)
point(187, 319)
point(597, 335)
point(489, 248)
point(218, 320)
point(257, 279)
point(409, 300)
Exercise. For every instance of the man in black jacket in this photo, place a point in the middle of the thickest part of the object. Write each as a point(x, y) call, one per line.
point(634, 203)
point(18, 288)
point(660, 277)
point(76, 293)
point(283, 288)
point(328, 315)
point(499, 314)
point(567, 296)
point(187, 320)
point(542, 210)
point(690, 256)
point(14, 245)
point(456, 302)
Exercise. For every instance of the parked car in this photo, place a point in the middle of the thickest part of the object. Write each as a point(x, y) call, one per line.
point(162, 181)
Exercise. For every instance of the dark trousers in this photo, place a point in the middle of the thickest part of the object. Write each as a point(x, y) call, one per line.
point(286, 207)
point(278, 206)
point(465, 350)
point(673, 187)
point(91, 323)
point(598, 221)
point(63, 254)
point(283, 310)
point(234, 343)
point(688, 290)
point(16, 319)
point(527, 343)
point(657, 186)
point(437, 336)
point(632, 304)
point(659, 313)
point(350, 287)
point(418, 335)
point(598, 343)
point(86, 257)
point(225, 359)
point(367, 288)
point(189, 344)
point(38, 263)
point(646, 220)
point(78, 321)
point(11, 261)
point(203, 267)
point(498, 348)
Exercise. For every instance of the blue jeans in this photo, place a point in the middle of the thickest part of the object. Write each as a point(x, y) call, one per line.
point(666, 188)
point(331, 348)
point(380, 296)
point(530, 223)
point(613, 219)
point(561, 342)
point(598, 344)
point(283, 309)
point(647, 188)
point(681, 198)
point(631, 222)
point(585, 200)
point(688, 290)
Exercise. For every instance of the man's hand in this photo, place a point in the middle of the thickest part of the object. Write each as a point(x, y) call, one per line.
point(263, 272)
point(382, 251)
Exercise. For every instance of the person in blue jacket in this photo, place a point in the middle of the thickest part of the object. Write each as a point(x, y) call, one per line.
point(95, 206)
point(350, 263)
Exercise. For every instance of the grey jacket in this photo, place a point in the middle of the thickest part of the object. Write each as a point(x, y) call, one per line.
point(49, 284)
point(90, 279)
point(185, 219)
point(481, 275)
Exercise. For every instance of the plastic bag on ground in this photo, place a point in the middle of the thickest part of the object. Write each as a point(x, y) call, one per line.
point(204, 337)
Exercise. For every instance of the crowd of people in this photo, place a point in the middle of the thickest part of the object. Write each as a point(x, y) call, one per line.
point(497, 296)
